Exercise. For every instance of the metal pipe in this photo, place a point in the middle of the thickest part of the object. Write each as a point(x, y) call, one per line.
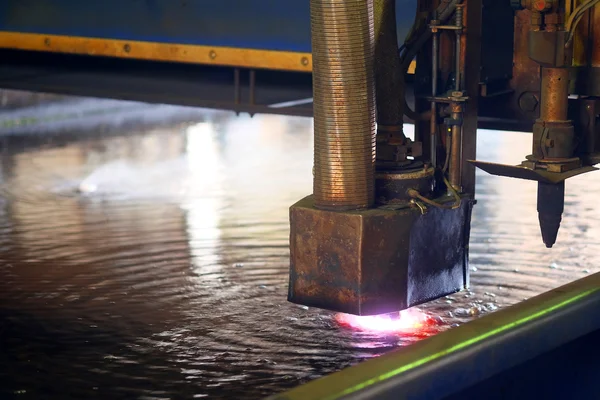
point(459, 24)
point(389, 78)
point(434, 79)
point(456, 151)
point(343, 47)
point(555, 92)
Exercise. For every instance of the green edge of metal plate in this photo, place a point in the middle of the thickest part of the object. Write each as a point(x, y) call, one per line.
point(378, 370)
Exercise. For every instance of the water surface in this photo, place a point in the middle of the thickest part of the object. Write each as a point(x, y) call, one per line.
point(152, 262)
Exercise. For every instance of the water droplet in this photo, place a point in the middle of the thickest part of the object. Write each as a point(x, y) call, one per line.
point(516, 270)
point(292, 319)
point(474, 269)
point(238, 265)
point(491, 307)
point(262, 286)
point(303, 307)
point(449, 302)
point(489, 294)
point(450, 314)
point(554, 265)
point(462, 312)
point(586, 271)
point(474, 311)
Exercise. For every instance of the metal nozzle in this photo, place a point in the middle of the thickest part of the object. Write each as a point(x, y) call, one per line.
point(550, 206)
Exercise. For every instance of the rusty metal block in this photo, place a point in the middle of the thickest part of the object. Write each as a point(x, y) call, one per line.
point(378, 260)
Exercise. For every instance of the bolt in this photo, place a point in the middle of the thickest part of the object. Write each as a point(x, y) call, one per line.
point(528, 102)
point(127, 48)
point(212, 55)
point(47, 42)
point(304, 61)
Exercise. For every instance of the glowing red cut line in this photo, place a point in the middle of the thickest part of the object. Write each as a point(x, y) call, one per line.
point(407, 321)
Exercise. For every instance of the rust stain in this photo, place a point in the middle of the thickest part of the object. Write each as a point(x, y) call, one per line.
point(555, 89)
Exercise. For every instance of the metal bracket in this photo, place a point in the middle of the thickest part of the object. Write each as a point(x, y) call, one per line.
point(522, 172)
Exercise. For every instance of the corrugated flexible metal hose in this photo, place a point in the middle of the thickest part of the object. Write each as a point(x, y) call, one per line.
point(343, 46)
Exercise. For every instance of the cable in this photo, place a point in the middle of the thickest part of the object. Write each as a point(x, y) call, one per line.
point(578, 12)
point(576, 17)
point(448, 152)
point(458, 201)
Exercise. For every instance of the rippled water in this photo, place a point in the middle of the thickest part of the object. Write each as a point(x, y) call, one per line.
point(153, 264)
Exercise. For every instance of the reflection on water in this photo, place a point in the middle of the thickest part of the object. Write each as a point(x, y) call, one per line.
point(154, 265)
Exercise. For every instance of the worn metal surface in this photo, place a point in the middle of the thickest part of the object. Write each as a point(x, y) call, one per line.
point(462, 357)
point(548, 49)
point(586, 119)
point(522, 172)
point(378, 260)
point(392, 187)
point(555, 90)
point(344, 103)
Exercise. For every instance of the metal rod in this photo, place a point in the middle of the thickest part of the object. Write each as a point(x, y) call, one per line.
point(252, 86)
point(456, 149)
point(459, 25)
point(434, 79)
point(555, 92)
point(456, 115)
point(236, 84)
point(455, 158)
point(343, 48)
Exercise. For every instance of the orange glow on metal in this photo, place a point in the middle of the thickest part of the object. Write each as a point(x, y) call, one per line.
point(411, 321)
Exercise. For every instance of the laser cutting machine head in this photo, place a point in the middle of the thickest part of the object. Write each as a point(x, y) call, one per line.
point(387, 225)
